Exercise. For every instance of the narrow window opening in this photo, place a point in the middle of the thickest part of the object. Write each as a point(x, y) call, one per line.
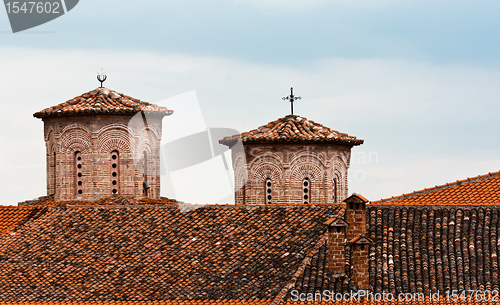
point(306, 187)
point(78, 174)
point(115, 172)
point(145, 183)
point(268, 192)
point(244, 192)
point(54, 173)
point(334, 189)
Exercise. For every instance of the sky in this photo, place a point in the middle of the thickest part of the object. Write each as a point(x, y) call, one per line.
point(419, 81)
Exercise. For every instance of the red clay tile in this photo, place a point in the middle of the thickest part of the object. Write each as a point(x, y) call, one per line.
point(292, 128)
point(102, 101)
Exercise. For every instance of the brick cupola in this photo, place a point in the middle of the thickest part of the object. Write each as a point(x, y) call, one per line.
point(97, 146)
point(292, 160)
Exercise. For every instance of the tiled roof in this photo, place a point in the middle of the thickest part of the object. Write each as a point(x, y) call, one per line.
point(159, 253)
point(114, 200)
point(316, 277)
point(480, 190)
point(424, 249)
point(292, 128)
point(161, 302)
point(424, 301)
point(102, 101)
point(418, 249)
point(11, 217)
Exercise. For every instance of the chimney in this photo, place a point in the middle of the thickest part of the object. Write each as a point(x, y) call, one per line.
point(355, 215)
point(360, 247)
point(336, 244)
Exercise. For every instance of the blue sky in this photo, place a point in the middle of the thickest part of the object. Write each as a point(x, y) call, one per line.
point(418, 80)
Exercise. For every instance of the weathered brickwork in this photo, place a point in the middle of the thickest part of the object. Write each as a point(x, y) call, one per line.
point(291, 160)
point(95, 139)
point(355, 215)
point(336, 251)
point(349, 225)
point(360, 271)
point(287, 165)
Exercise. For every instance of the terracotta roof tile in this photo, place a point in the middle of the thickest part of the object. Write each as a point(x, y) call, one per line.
point(102, 101)
point(419, 249)
point(480, 190)
point(423, 301)
point(84, 254)
point(426, 249)
point(11, 217)
point(114, 200)
point(292, 128)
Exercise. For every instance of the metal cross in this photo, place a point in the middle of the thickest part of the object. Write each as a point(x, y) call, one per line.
point(101, 76)
point(292, 98)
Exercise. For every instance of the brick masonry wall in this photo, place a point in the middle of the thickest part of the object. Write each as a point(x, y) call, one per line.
point(96, 137)
point(336, 251)
point(355, 215)
point(360, 275)
point(287, 165)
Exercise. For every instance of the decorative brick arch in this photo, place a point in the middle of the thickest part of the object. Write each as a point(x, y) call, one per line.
point(310, 168)
point(240, 178)
point(75, 137)
point(147, 140)
point(339, 173)
point(51, 164)
point(49, 134)
point(261, 168)
point(240, 171)
point(269, 165)
point(114, 137)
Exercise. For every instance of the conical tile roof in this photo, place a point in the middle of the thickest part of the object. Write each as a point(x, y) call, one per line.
point(292, 128)
point(102, 101)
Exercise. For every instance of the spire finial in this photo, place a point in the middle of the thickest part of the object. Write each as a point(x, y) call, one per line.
point(101, 76)
point(292, 98)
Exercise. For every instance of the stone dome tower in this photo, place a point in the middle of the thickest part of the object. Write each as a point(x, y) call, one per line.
point(292, 160)
point(102, 143)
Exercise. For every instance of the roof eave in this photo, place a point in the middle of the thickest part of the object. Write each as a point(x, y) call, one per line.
point(43, 115)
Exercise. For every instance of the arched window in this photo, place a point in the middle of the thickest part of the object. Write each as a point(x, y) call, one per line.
point(54, 175)
point(334, 189)
point(268, 191)
point(145, 183)
point(244, 193)
point(306, 191)
point(115, 172)
point(78, 175)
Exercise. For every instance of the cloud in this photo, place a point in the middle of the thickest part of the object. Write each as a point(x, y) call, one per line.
point(421, 119)
point(287, 6)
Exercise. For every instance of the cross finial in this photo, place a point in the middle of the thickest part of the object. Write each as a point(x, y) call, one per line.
point(292, 98)
point(101, 76)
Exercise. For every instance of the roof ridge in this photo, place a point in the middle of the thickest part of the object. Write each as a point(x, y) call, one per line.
point(439, 187)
